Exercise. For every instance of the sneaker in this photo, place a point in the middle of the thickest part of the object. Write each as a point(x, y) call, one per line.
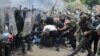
point(58, 50)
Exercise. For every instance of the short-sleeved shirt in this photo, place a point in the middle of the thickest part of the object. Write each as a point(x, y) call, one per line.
point(49, 28)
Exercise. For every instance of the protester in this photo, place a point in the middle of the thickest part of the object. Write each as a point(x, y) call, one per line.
point(50, 31)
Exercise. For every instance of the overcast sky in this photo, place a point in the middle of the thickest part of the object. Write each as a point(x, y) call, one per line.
point(40, 4)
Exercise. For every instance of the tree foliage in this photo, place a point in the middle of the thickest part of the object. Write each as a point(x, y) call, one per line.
point(90, 3)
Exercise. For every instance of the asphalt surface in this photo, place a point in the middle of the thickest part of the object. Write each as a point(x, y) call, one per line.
point(50, 51)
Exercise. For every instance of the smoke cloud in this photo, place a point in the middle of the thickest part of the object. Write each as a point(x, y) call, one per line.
point(39, 4)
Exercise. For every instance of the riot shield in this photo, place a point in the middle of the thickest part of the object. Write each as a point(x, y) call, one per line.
point(2, 16)
point(12, 25)
point(28, 24)
point(32, 22)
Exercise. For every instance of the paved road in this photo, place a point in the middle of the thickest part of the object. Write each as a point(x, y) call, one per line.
point(51, 51)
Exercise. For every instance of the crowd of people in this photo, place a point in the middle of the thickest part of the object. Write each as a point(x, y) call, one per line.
point(55, 30)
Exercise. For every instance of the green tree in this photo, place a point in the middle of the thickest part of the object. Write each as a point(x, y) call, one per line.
point(90, 3)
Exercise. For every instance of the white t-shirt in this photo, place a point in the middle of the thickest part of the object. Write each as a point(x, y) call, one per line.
point(49, 28)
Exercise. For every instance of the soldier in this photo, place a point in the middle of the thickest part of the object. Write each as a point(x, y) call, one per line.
point(86, 30)
point(19, 22)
